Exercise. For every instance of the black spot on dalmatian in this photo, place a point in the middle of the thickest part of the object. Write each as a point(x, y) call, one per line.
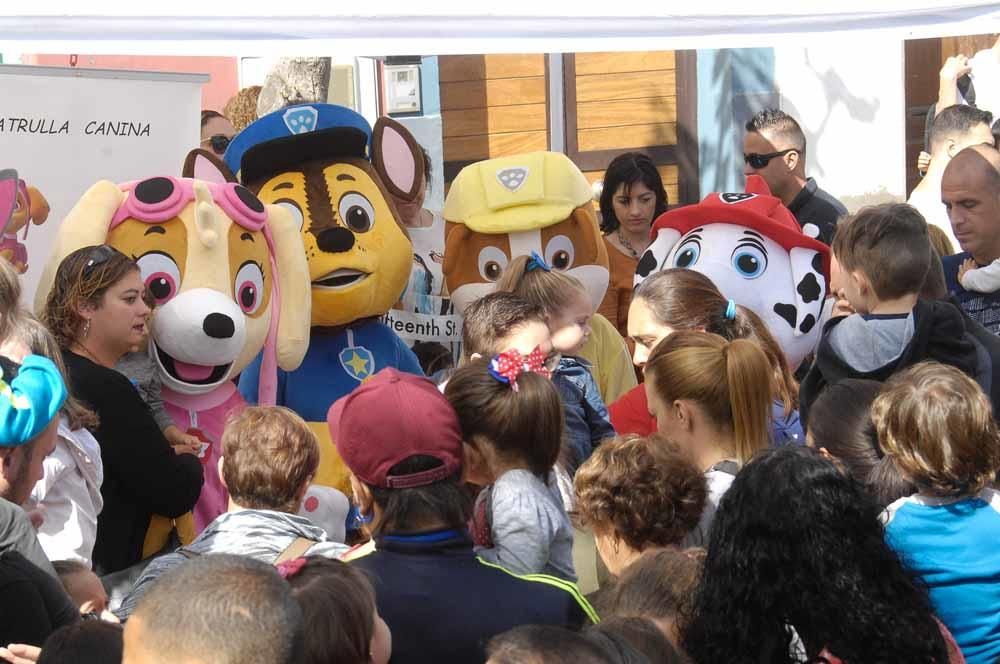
point(809, 288)
point(807, 324)
point(736, 197)
point(646, 265)
point(788, 312)
point(817, 264)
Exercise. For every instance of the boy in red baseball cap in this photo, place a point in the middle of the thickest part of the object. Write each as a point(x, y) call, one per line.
point(401, 440)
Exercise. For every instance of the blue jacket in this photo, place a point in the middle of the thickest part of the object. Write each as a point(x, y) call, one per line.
point(587, 421)
point(443, 604)
point(334, 365)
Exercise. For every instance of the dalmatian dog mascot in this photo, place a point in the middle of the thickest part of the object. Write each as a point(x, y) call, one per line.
point(753, 249)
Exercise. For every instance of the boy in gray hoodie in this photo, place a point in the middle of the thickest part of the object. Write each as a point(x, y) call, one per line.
point(885, 253)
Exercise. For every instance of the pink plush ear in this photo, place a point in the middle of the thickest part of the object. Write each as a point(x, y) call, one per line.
point(397, 158)
point(203, 165)
point(8, 196)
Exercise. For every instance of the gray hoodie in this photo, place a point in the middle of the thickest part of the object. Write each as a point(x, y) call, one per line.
point(259, 534)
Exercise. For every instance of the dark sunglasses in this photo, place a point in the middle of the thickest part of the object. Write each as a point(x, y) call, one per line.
point(759, 161)
point(98, 256)
point(219, 142)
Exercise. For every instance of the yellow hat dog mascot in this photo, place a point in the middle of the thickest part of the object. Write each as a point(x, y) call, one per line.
point(314, 159)
point(502, 208)
point(230, 281)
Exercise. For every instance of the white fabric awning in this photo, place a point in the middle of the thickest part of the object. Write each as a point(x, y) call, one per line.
point(409, 27)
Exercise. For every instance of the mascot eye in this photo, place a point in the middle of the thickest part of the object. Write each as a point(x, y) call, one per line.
point(688, 253)
point(160, 274)
point(492, 262)
point(294, 208)
point(357, 212)
point(749, 261)
point(559, 252)
point(249, 287)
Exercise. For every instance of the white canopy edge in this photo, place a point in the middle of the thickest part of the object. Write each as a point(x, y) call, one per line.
point(377, 32)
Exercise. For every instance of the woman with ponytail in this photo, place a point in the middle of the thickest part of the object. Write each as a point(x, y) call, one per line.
point(713, 398)
point(679, 299)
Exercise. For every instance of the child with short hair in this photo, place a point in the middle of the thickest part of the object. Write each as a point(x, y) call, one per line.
point(84, 588)
point(937, 426)
point(511, 420)
point(568, 309)
point(884, 254)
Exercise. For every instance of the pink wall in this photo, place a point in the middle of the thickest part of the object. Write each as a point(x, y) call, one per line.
point(224, 72)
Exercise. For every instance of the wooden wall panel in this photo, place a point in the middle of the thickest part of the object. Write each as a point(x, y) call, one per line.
point(497, 92)
point(634, 85)
point(453, 68)
point(484, 146)
point(495, 120)
point(669, 173)
point(620, 113)
point(634, 136)
point(614, 63)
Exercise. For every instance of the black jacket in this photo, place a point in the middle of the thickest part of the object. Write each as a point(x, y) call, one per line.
point(142, 475)
point(939, 334)
point(442, 604)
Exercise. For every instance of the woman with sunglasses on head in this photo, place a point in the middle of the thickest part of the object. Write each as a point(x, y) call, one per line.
point(96, 312)
point(631, 198)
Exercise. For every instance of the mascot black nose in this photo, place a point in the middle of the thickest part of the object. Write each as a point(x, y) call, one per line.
point(335, 240)
point(219, 326)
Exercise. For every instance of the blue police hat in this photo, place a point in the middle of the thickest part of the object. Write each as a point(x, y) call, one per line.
point(30, 398)
point(282, 140)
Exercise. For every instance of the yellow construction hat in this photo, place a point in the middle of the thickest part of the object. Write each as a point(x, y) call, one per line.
point(520, 193)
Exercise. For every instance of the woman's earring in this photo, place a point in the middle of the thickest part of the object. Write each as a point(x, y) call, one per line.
point(86, 328)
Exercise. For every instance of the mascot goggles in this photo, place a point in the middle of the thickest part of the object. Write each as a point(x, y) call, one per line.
point(162, 198)
point(760, 161)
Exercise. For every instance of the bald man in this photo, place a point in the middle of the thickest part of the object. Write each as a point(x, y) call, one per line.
point(970, 191)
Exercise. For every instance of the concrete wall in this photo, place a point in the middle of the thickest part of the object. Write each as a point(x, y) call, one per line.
point(850, 101)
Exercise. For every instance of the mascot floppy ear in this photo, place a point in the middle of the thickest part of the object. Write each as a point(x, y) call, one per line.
point(8, 196)
point(38, 207)
point(655, 257)
point(85, 225)
point(204, 165)
point(808, 272)
point(296, 294)
point(398, 159)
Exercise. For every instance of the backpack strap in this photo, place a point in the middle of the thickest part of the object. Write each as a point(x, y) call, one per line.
point(294, 550)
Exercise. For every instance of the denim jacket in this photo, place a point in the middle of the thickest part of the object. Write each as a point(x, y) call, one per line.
point(587, 421)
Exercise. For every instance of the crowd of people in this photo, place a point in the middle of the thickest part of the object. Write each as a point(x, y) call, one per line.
point(731, 507)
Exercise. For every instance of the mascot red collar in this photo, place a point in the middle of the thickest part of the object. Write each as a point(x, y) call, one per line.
point(753, 249)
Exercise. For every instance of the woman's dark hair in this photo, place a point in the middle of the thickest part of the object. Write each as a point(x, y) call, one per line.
point(658, 585)
point(433, 357)
point(797, 544)
point(627, 169)
point(338, 611)
point(207, 115)
point(83, 277)
point(687, 300)
point(86, 642)
point(840, 421)
point(633, 640)
point(407, 510)
point(543, 644)
point(525, 426)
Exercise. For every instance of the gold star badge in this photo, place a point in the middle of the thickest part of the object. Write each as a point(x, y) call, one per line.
point(359, 364)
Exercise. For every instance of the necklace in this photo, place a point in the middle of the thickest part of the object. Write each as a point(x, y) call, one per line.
point(87, 351)
point(628, 245)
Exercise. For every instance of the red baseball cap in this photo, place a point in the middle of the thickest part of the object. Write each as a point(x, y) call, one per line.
point(389, 418)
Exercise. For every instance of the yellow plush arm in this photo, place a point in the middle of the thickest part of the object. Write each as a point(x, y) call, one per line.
point(85, 225)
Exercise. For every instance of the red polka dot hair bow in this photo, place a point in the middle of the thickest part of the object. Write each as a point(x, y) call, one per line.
point(506, 367)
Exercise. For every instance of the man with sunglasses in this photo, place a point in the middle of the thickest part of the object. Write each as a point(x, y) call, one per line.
point(216, 132)
point(774, 148)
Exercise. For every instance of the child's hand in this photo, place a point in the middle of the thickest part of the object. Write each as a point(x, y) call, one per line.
point(841, 307)
point(967, 265)
point(19, 653)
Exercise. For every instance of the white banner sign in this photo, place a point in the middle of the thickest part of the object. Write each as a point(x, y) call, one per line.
point(424, 327)
point(63, 129)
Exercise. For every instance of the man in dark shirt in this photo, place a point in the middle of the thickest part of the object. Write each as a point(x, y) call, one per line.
point(774, 148)
point(970, 191)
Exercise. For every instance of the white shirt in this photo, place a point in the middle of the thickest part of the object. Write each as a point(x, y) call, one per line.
point(930, 206)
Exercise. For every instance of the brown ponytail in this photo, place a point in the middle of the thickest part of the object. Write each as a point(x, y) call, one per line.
point(730, 380)
point(551, 290)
